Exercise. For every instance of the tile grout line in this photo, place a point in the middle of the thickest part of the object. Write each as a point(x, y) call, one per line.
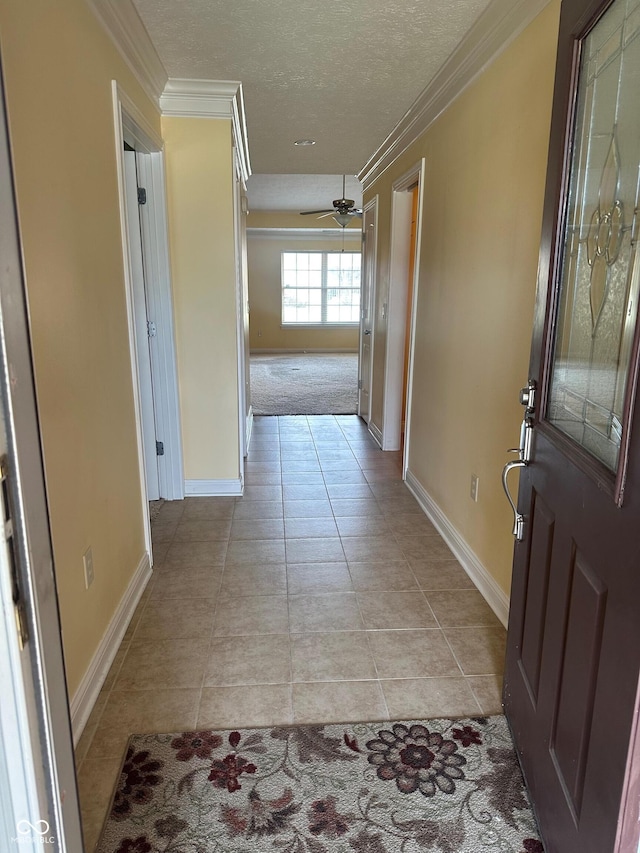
point(382, 489)
point(213, 622)
point(455, 657)
point(381, 502)
point(367, 638)
point(286, 576)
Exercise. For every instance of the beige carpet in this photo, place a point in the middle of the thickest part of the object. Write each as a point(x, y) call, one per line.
point(304, 384)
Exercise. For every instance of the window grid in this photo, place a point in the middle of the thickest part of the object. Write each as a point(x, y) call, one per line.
point(320, 288)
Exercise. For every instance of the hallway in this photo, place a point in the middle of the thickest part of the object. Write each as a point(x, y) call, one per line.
point(322, 595)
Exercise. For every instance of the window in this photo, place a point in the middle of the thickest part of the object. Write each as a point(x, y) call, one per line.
point(320, 288)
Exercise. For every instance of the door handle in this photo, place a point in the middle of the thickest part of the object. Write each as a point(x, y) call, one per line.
point(518, 518)
point(367, 331)
point(524, 451)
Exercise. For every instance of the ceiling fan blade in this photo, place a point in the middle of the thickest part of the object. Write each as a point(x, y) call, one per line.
point(307, 212)
point(328, 213)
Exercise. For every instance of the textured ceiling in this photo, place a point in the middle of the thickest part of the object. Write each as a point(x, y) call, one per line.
point(300, 192)
point(342, 72)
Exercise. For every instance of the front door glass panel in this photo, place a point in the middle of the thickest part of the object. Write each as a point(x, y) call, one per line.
point(600, 272)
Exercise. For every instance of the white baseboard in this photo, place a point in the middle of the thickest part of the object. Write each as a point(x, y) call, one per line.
point(376, 433)
point(494, 595)
point(213, 488)
point(87, 693)
point(303, 351)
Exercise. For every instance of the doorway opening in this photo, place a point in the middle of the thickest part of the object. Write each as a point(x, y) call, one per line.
point(367, 307)
point(149, 306)
point(399, 309)
point(305, 294)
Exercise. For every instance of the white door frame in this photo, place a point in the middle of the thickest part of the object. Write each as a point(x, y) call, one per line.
point(245, 412)
point(131, 126)
point(399, 264)
point(38, 794)
point(155, 242)
point(140, 316)
point(369, 259)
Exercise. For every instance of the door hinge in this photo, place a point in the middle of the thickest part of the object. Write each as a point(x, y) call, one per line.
point(151, 329)
point(142, 195)
point(19, 611)
point(159, 448)
point(359, 384)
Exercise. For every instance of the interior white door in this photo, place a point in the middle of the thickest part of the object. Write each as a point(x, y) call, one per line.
point(369, 245)
point(142, 329)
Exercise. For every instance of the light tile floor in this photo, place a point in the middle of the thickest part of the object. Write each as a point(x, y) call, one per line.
point(322, 595)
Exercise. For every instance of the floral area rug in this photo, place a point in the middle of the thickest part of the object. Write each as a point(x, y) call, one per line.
point(448, 786)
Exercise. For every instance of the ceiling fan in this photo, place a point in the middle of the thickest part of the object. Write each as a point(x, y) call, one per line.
point(343, 209)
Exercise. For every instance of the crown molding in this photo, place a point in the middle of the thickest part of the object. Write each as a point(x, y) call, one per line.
point(199, 98)
point(500, 23)
point(305, 233)
point(186, 98)
point(240, 136)
point(120, 19)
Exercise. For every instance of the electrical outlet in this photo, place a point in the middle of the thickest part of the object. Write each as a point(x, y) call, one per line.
point(474, 488)
point(87, 561)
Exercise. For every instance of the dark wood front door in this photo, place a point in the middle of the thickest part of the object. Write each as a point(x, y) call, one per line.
point(573, 653)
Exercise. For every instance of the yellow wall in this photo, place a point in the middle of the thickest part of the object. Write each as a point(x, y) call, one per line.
point(264, 264)
point(200, 201)
point(485, 174)
point(484, 183)
point(58, 67)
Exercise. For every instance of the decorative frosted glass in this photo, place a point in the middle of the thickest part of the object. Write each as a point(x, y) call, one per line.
point(600, 276)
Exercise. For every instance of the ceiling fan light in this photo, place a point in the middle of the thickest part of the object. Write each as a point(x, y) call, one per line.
point(342, 219)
